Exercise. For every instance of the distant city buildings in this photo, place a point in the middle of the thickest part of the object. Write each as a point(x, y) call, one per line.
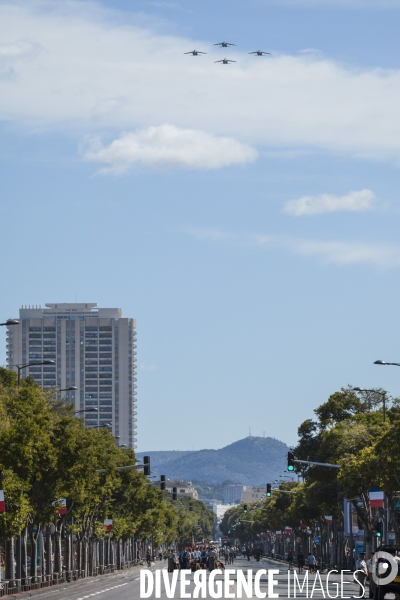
point(220, 510)
point(94, 351)
point(253, 495)
point(184, 488)
point(233, 493)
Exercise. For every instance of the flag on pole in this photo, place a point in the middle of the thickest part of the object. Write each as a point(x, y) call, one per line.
point(288, 529)
point(108, 524)
point(278, 533)
point(62, 507)
point(2, 503)
point(376, 499)
point(328, 519)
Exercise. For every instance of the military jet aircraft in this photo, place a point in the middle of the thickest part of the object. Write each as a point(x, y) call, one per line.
point(224, 61)
point(195, 52)
point(259, 52)
point(224, 44)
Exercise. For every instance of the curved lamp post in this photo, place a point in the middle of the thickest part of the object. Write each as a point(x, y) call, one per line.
point(32, 364)
point(382, 362)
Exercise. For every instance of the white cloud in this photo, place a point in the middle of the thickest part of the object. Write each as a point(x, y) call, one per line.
point(17, 49)
point(364, 4)
point(101, 70)
point(152, 367)
point(166, 147)
point(379, 255)
point(325, 203)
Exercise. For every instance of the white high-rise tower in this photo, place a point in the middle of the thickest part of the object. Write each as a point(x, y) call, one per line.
point(94, 350)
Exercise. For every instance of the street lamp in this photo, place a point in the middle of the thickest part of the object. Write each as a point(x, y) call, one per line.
point(382, 362)
point(11, 322)
point(32, 364)
point(71, 388)
point(94, 409)
point(383, 394)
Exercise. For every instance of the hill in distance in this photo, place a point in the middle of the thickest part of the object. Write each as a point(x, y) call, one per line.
point(252, 461)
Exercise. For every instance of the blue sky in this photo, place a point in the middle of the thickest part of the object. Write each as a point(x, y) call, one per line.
point(246, 215)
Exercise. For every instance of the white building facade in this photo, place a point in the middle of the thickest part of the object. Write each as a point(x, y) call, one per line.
point(184, 488)
point(220, 509)
point(253, 495)
point(94, 350)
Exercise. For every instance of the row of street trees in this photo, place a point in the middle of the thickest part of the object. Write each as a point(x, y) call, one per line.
point(47, 454)
point(350, 430)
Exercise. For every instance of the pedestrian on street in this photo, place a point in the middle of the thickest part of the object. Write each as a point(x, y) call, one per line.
point(290, 559)
point(226, 555)
point(369, 563)
point(300, 561)
point(311, 562)
point(231, 555)
point(212, 556)
point(361, 573)
point(148, 557)
point(171, 560)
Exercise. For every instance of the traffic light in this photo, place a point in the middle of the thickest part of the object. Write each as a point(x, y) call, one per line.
point(269, 490)
point(290, 461)
point(146, 464)
point(244, 507)
point(162, 482)
point(174, 493)
point(379, 529)
point(191, 507)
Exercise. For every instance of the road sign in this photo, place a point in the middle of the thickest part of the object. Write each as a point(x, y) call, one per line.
point(317, 540)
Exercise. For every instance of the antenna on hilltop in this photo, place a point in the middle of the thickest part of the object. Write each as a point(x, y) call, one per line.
point(263, 433)
point(249, 431)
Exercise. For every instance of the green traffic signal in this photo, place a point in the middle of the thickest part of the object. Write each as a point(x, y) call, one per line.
point(269, 490)
point(379, 529)
point(290, 461)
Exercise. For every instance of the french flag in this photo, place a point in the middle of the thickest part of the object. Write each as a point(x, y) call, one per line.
point(2, 503)
point(62, 508)
point(328, 519)
point(288, 529)
point(376, 499)
point(108, 524)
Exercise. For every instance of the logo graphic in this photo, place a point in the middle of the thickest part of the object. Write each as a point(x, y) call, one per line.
point(380, 564)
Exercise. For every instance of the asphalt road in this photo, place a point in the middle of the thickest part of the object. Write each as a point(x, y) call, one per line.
point(125, 585)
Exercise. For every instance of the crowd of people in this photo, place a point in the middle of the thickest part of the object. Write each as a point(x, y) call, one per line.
point(199, 557)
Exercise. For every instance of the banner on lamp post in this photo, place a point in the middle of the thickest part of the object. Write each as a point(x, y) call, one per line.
point(62, 507)
point(108, 524)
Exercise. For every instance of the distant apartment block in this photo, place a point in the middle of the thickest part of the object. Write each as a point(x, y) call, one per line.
point(94, 350)
point(233, 493)
point(184, 488)
point(253, 495)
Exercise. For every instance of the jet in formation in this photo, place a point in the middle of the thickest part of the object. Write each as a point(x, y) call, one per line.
point(259, 52)
point(195, 52)
point(224, 61)
point(224, 44)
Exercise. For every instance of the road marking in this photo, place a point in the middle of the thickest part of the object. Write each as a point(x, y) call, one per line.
point(102, 591)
